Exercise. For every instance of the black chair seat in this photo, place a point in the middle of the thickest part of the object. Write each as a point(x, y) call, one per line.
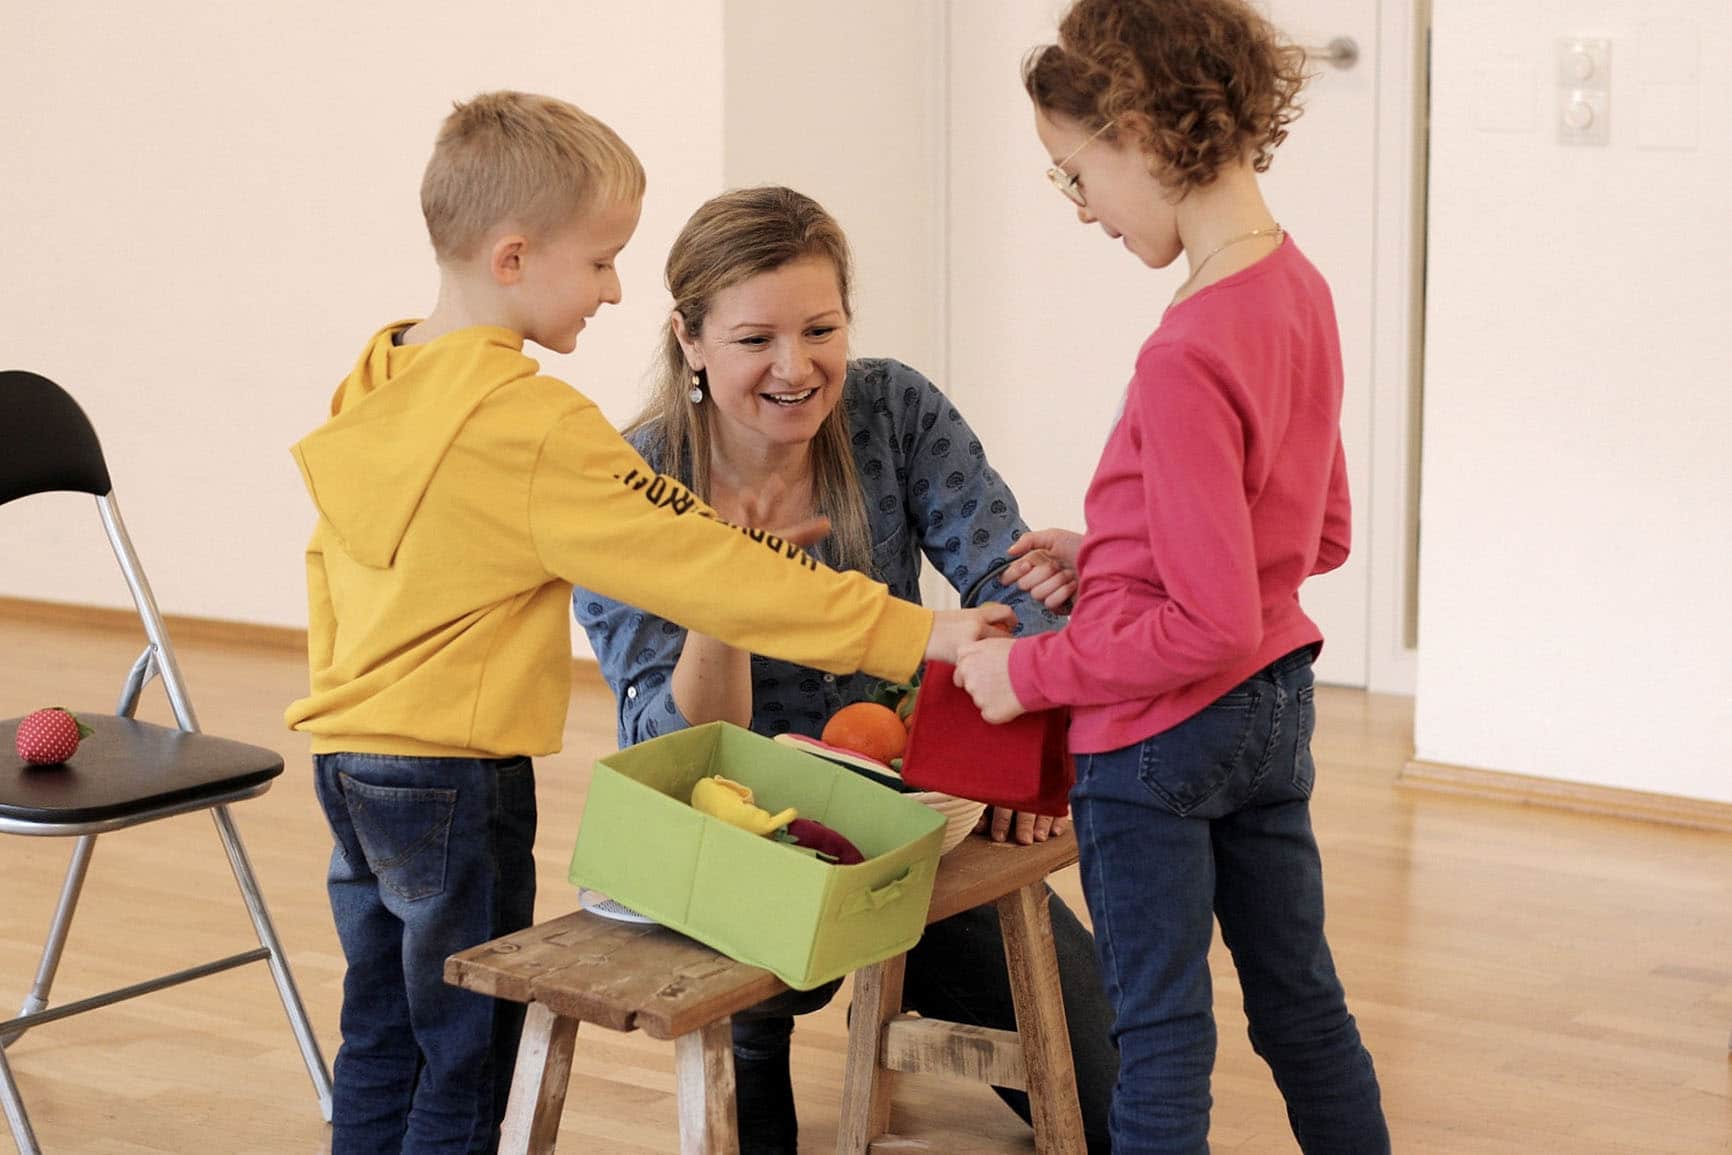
point(126, 772)
point(126, 769)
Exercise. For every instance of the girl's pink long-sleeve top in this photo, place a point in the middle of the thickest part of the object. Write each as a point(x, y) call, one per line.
point(1222, 487)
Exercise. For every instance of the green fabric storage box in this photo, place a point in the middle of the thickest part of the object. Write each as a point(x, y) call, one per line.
point(756, 900)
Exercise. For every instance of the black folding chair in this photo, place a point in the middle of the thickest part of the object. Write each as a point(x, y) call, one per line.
point(127, 772)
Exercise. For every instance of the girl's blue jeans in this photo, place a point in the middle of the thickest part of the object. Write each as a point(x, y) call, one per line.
point(432, 856)
point(1211, 820)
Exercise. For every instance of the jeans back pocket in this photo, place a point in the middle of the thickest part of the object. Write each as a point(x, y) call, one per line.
point(403, 831)
point(1189, 766)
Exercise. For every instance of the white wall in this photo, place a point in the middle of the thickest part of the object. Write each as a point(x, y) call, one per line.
point(1046, 315)
point(846, 103)
point(843, 101)
point(1574, 618)
point(205, 208)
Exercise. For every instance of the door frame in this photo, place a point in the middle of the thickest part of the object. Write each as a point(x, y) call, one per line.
point(1398, 258)
point(1397, 337)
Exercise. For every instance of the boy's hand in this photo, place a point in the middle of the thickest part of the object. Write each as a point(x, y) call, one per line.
point(983, 669)
point(997, 822)
point(953, 629)
point(1043, 574)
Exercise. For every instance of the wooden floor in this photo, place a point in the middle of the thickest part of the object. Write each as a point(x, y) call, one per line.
point(1527, 981)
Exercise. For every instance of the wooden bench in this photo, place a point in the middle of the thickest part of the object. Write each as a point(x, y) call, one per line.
point(580, 968)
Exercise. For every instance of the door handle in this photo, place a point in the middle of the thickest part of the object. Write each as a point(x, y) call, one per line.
point(1341, 52)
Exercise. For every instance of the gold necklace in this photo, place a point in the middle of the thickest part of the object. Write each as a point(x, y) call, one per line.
point(1273, 230)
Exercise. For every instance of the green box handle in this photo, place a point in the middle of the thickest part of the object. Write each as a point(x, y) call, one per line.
point(878, 897)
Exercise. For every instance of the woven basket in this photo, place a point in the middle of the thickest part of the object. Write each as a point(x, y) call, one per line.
point(960, 815)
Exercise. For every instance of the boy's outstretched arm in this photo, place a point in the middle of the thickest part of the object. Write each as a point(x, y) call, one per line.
point(602, 519)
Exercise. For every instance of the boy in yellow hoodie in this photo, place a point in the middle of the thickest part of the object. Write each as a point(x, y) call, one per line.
point(460, 495)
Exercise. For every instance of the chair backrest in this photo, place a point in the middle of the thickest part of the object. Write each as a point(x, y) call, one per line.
point(48, 445)
point(46, 441)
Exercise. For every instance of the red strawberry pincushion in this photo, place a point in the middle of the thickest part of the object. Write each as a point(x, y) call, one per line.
point(49, 737)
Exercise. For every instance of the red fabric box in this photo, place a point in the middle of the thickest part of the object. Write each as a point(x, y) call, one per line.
point(1025, 764)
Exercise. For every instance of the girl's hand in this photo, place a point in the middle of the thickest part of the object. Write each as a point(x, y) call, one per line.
point(983, 669)
point(954, 629)
point(997, 822)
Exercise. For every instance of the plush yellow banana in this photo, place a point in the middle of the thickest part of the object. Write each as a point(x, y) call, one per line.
point(731, 802)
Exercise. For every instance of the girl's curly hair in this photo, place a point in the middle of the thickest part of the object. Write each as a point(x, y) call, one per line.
point(1206, 81)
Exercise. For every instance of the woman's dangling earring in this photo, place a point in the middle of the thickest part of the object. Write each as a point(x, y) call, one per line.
point(697, 393)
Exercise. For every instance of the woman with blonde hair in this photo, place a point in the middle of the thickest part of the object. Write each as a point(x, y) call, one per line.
point(759, 408)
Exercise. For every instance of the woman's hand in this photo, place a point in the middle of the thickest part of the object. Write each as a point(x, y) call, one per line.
point(1045, 566)
point(998, 821)
point(983, 669)
point(805, 533)
point(954, 629)
point(760, 508)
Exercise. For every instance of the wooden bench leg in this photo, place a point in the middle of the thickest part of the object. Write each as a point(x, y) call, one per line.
point(704, 1078)
point(1033, 965)
point(865, 1083)
point(538, 1083)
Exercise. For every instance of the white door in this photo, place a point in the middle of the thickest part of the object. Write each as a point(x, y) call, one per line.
point(1053, 314)
point(1323, 187)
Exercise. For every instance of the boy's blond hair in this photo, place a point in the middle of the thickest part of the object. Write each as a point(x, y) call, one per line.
point(514, 156)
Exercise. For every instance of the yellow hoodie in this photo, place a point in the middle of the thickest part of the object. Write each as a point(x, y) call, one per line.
point(460, 495)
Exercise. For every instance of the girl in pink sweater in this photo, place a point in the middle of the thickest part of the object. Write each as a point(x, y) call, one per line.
point(1187, 659)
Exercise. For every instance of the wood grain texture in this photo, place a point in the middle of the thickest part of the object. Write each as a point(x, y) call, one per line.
point(1040, 1021)
point(634, 977)
point(618, 975)
point(866, 1088)
point(1525, 789)
point(1528, 980)
point(980, 871)
point(704, 1086)
point(917, 1046)
point(538, 1083)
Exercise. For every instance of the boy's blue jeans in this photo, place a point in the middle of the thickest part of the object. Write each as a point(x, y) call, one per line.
point(432, 856)
point(1211, 819)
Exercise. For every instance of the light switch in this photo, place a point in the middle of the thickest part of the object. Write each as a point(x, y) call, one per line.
point(1584, 80)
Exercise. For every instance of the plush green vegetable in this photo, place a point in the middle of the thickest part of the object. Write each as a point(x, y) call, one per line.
point(899, 696)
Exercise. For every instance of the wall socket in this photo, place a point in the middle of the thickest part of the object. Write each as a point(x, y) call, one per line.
point(1584, 81)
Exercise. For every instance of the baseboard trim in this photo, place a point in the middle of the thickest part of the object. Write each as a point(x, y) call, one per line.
point(1613, 801)
point(181, 627)
point(185, 628)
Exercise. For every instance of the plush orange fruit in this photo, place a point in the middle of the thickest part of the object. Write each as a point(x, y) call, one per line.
point(867, 728)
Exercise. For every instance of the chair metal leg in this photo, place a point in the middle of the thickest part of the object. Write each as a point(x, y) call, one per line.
point(76, 870)
point(249, 885)
point(15, 1116)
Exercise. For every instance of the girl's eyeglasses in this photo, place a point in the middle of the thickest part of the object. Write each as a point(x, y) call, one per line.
point(1065, 182)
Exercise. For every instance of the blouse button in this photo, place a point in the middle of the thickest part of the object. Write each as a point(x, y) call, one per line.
point(631, 692)
point(829, 677)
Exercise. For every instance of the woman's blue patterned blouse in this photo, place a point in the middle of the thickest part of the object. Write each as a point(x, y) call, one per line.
point(929, 489)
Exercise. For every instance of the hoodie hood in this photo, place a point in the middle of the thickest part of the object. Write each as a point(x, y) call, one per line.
point(393, 419)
